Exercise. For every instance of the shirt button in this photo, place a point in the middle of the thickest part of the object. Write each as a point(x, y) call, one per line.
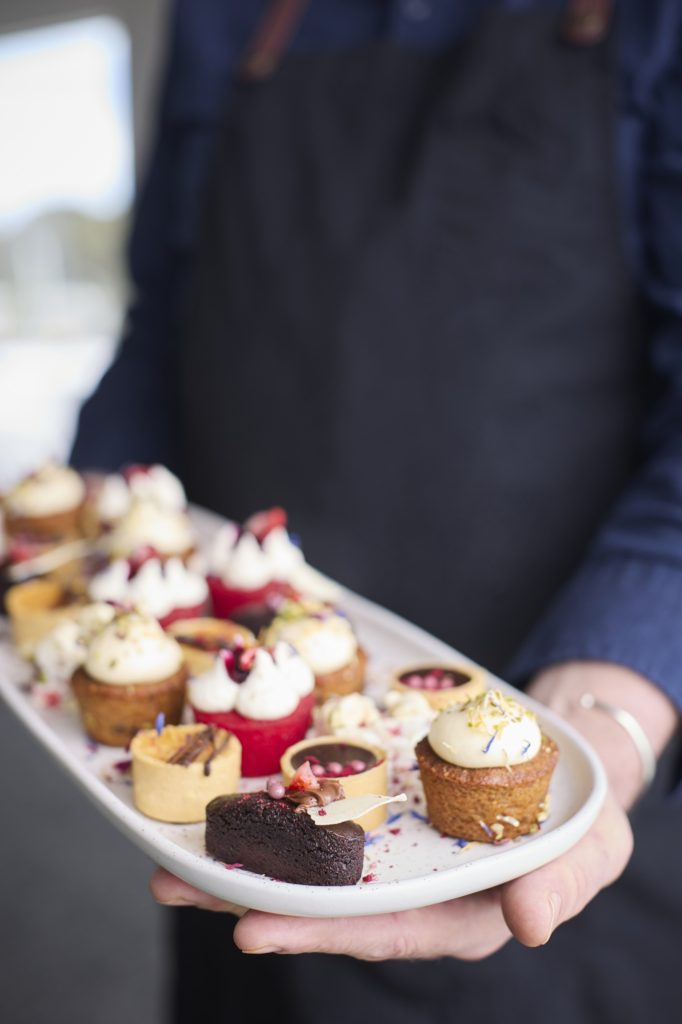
point(417, 10)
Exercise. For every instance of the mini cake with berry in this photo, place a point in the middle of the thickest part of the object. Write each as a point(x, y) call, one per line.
point(486, 768)
point(441, 685)
point(265, 697)
point(64, 649)
point(167, 590)
point(178, 769)
point(325, 639)
point(270, 833)
point(203, 638)
point(360, 768)
point(41, 512)
point(132, 672)
point(255, 565)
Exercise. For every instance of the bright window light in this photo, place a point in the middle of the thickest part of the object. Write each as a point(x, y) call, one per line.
point(65, 121)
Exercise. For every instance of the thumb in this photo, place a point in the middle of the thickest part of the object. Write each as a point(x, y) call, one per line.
point(534, 905)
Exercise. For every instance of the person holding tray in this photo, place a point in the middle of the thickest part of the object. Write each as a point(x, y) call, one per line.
point(407, 269)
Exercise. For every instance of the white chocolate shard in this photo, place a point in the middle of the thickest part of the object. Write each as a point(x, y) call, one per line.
point(350, 808)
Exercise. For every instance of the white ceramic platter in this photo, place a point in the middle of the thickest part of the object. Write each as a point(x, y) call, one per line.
point(407, 863)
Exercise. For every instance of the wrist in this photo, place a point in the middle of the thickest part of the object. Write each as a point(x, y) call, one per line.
point(619, 743)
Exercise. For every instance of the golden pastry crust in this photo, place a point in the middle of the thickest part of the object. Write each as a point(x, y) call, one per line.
point(348, 679)
point(440, 699)
point(36, 607)
point(113, 713)
point(179, 792)
point(373, 780)
point(486, 805)
point(197, 660)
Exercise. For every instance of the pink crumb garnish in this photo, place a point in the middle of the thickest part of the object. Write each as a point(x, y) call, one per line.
point(369, 877)
point(231, 867)
point(395, 831)
point(322, 813)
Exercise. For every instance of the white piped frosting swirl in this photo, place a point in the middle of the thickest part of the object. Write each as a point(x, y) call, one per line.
point(490, 731)
point(132, 649)
point(155, 589)
point(272, 689)
point(64, 649)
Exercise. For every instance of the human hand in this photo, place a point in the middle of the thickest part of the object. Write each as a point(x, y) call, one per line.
point(529, 908)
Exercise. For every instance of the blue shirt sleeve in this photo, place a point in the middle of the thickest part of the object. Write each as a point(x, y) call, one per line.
point(624, 603)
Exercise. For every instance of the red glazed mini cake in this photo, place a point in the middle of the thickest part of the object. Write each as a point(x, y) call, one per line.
point(271, 833)
point(486, 768)
point(326, 641)
point(361, 768)
point(441, 685)
point(133, 672)
point(178, 769)
point(257, 564)
point(167, 590)
point(264, 697)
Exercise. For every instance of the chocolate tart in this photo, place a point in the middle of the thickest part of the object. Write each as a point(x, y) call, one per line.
point(458, 683)
point(35, 607)
point(325, 749)
point(486, 805)
point(178, 770)
point(202, 638)
point(112, 713)
point(271, 837)
point(348, 679)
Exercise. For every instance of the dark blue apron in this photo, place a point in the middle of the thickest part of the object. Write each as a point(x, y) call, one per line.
point(413, 325)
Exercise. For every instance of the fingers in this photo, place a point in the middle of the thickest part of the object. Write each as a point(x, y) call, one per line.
point(173, 892)
point(534, 905)
point(469, 929)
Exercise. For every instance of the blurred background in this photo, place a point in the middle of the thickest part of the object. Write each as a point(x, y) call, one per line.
point(77, 92)
point(78, 80)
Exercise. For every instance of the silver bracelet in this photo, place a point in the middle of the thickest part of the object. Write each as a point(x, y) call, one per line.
point(634, 731)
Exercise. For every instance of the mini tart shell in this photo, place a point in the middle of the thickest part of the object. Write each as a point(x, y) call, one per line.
point(199, 661)
point(486, 805)
point(175, 792)
point(441, 699)
point(374, 780)
point(112, 713)
point(36, 607)
point(65, 525)
point(348, 679)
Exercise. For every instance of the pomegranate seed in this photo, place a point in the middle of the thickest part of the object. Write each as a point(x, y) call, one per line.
point(334, 768)
point(317, 770)
point(357, 765)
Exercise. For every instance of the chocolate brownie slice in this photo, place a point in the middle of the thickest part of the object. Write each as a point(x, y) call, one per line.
point(271, 837)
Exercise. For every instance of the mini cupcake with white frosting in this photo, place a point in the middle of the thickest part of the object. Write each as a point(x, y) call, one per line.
point(114, 494)
point(486, 768)
point(259, 563)
point(264, 696)
point(167, 590)
point(326, 641)
point(43, 508)
point(148, 529)
point(132, 672)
